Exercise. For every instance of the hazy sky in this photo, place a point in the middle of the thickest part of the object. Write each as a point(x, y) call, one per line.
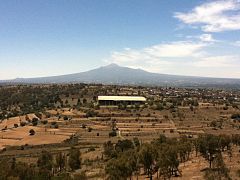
point(186, 37)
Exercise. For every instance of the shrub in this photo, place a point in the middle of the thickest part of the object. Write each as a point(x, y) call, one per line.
point(34, 119)
point(53, 123)
point(112, 134)
point(22, 123)
point(91, 113)
point(235, 116)
point(238, 172)
point(34, 123)
point(91, 149)
point(235, 106)
point(90, 129)
point(81, 176)
point(213, 124)
point(74, 161)
point(31, 132)
point(44, 121)
point(225, 108)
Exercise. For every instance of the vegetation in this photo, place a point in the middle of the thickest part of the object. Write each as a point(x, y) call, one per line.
point(156, 139)
point(31, 132)
point(74, 161)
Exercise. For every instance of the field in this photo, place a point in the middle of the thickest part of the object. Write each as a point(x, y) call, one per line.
point(87, 127)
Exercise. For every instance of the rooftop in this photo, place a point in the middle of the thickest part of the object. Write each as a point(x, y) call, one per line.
point(121, 98)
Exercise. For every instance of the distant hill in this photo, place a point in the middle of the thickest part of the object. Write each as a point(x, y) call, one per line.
point(114, 74)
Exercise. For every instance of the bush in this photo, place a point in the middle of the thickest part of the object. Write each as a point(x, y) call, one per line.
point(91, 113)
point(235, 106)
point(74, 161)
point(225, 108)
point(213, 124)
point(34, 119)
point(112, 134)
point(91, 149)
point(90, 129)
point(22, 123)
point(238, 172)
point(159, 107)
point(81, 176)
point(34, 123)
point(31, 132)
point(44, 121)
point(235, 116)
point(53, 123)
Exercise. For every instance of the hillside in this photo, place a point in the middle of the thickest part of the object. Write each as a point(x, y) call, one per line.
point(114, 74)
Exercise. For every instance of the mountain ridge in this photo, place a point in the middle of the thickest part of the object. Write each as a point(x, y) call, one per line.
point(115, 74)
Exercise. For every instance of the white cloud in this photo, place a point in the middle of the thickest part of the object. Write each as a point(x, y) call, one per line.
point(207, 38)
point(237, 43)
point(203, 38)
point(179, 49)
point(217, 61)
point(180, 57)
point(214, 16)
point(175, 50)
point(199, 55)
point(160, 57)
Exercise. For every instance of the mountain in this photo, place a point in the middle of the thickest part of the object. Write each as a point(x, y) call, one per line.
point(114, 74)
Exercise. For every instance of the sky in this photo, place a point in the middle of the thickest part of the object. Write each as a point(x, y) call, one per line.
point(54, 37)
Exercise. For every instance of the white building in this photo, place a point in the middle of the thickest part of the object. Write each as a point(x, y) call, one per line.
point(116, 100)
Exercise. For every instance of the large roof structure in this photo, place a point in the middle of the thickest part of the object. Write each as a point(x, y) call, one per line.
point(121, 98)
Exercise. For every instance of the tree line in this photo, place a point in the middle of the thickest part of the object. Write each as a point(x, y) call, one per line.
point(47, 167)
point(162, 156)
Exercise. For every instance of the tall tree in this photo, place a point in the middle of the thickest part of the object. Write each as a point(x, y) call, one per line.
point(45, 164)
point(146, 157)
point(209, 147)
point(60, 161)
point(74, 161)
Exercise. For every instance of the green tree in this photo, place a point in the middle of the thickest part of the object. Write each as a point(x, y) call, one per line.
point(74, 161)
point(109, 150)
point(147, 157)
point(31, 132)
point(122, 167)
point(209, 147)
point(123, 145)
point(167, 160)
point(60, 161)
point(136, 142)
point(45, 164)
